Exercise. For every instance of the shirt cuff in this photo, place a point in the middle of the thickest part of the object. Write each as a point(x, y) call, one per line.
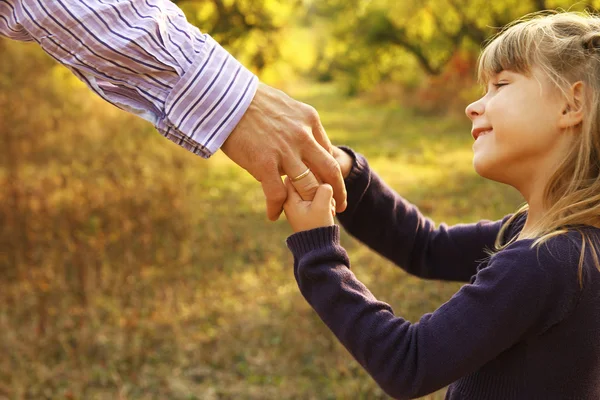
point(303, 242)
point(208, 101)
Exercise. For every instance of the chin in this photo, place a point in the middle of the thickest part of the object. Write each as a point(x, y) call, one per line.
point(480, 167)
point(492, 172)
point(486, 169)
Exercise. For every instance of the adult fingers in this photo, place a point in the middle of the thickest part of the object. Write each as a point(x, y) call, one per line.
point(318, 130)
point(328, 170)
point(327, 173)
point(304, 180)
point(275, 193)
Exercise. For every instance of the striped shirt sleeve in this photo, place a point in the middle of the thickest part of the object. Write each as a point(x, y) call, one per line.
point(143, 57)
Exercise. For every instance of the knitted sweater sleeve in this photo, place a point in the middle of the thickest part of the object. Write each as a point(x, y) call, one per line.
point(380, 218)
point(520, 292)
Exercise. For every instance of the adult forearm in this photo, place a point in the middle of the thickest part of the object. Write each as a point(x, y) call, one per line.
point(143, 57)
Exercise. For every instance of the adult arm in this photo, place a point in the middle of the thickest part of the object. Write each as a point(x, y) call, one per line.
point(144, 57)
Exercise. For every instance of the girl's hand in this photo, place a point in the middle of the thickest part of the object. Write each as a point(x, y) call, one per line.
point(344, 159)
point(304, 215)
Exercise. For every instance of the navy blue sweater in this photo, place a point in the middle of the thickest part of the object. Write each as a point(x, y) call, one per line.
point(520, 328)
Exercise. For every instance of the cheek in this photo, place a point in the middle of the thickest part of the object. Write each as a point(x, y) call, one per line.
point(513, 120)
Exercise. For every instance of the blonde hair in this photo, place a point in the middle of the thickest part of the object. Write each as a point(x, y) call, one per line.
point(565, 46)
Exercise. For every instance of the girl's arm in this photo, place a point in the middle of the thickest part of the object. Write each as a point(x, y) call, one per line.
point(388, 224)
point(518, 294)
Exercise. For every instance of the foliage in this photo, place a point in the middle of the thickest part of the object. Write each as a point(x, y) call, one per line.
point(252, 30)
point(362, 43)
point(411, 41)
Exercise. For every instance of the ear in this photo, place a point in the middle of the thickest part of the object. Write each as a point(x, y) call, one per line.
point(572, 111)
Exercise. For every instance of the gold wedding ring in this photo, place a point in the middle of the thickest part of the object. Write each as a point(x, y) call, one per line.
point(302, 175)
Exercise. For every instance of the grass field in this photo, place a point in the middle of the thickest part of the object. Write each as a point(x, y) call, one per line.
point(134, 270)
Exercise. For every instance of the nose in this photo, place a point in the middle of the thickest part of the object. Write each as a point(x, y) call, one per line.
point(475, 109)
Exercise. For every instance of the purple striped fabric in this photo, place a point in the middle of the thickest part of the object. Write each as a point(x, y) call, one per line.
point(143, 57)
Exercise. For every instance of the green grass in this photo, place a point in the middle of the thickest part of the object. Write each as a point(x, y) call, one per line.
point(154, 274)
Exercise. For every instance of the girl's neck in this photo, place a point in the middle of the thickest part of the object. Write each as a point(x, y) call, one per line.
point(532, 187)
point(535, 213)
point(528, 227)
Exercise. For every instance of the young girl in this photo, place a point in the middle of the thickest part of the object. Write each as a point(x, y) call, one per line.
point(527, 323)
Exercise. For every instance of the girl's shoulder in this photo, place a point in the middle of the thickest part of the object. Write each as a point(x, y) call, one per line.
point(566, 242)
point(561, 252)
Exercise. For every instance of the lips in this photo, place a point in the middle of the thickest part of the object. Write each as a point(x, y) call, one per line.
point(477, 132)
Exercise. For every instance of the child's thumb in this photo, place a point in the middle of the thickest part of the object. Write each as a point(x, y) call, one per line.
point(324, 195)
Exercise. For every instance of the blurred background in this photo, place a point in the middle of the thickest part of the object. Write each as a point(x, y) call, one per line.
point(132, 269)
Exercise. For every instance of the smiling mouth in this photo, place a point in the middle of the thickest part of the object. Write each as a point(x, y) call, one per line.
point(482, 132)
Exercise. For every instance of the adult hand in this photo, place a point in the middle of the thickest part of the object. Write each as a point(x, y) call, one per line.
point(281, 136)
point(344, 159)
point(304, 215)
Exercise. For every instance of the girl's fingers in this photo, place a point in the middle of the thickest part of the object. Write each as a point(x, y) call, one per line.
point(323, 196)
point(333, 206)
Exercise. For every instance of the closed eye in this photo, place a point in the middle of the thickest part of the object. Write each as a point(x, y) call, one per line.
point(496, 85)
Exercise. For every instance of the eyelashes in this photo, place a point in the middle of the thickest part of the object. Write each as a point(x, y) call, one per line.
point(496, 85)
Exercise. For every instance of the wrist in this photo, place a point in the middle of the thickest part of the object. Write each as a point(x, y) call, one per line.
point(301, 243)
point(302, 226)
point(345, 161)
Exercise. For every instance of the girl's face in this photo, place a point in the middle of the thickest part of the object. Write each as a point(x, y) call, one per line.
point(516, 127)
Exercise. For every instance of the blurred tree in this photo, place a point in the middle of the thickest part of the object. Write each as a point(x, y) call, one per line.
point(371, 41)
point(248, 28)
